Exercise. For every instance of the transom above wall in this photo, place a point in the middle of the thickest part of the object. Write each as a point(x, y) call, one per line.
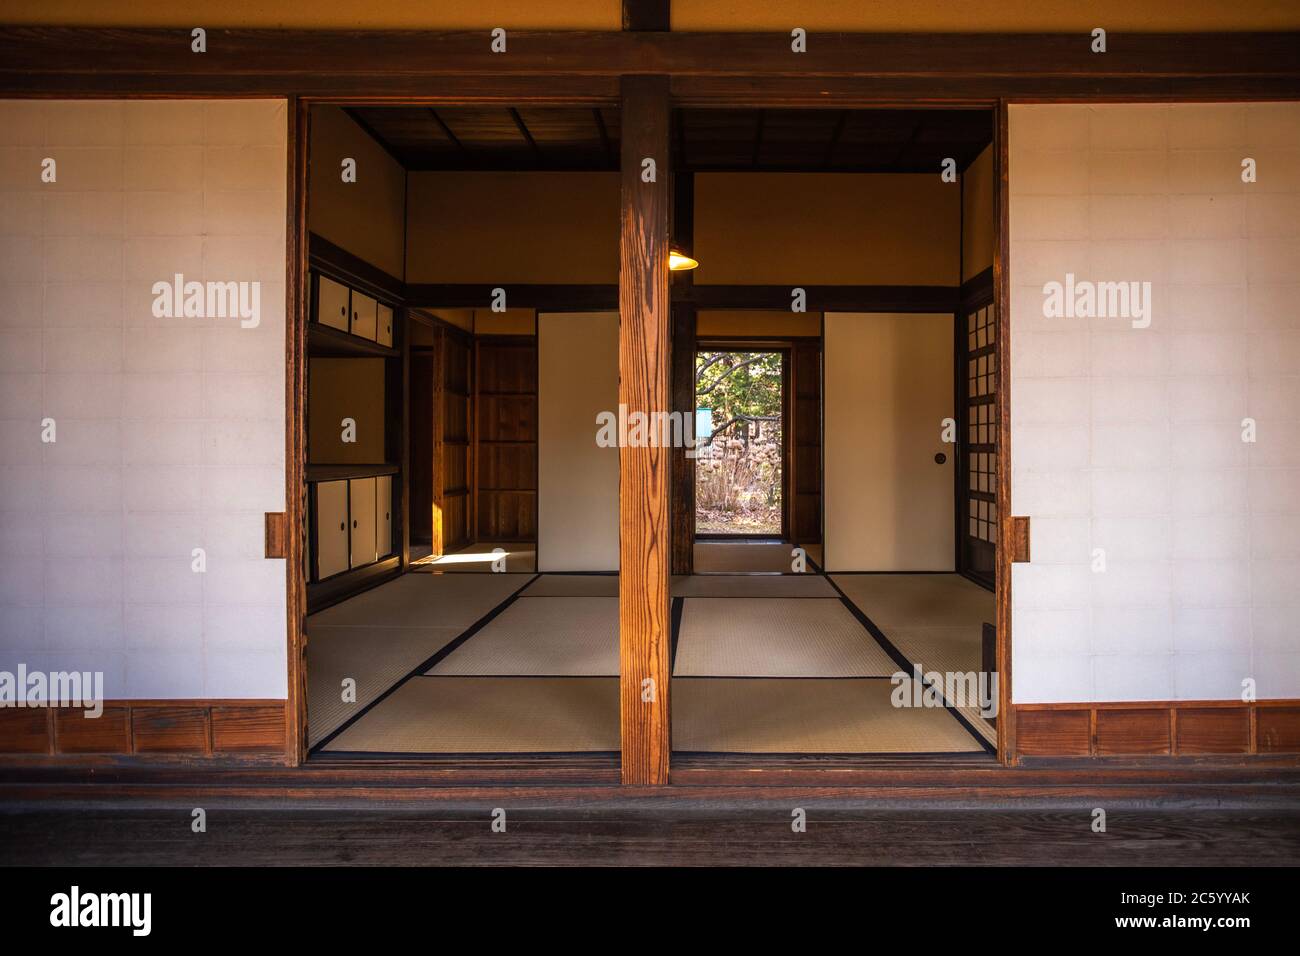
point(423, 138)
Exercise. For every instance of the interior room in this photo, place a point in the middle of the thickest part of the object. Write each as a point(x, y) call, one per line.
point(834, 352)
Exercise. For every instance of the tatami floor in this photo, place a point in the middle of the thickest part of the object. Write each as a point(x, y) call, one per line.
point(763, 663)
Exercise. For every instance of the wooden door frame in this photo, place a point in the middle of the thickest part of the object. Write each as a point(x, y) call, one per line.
point(785, 349)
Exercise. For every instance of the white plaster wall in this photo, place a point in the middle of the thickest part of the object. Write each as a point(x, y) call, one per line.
point(170, 432)
point(1130, 440)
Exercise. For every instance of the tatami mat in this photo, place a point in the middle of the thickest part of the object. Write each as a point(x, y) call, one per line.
point(437, 715)
point(956, 649)
point(732, 557)
point(574, 585)
point(424, 600)
point(520, 558)
point(752, 586)
point(543, 636)
point(381, 635)
point(806, 717)
point(776, 637)
point(374, 657)
point(918, 600)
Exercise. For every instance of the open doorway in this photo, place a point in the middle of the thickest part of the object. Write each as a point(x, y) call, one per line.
point(741, 449)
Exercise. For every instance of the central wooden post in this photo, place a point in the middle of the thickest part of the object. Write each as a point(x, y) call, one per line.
point(644, 366)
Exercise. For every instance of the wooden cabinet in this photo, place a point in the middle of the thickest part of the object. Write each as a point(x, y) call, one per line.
point(384, 515)
point(361, 510)
point(355, 369)
point(365, 315)
point(331, 528)
point(332, 304)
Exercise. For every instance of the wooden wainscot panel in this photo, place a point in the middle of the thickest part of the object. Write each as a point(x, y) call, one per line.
point(77, 733)
point(1212, 730)
point(1053, 733)
point(1277, 730)
point(1133, 731)
point(24, 730)
point(248, 729)
point(165, 729)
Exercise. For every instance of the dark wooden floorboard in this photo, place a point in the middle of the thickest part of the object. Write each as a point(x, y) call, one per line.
point(1063, 837)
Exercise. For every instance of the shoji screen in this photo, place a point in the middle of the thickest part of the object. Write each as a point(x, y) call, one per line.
point(1157, 454)
point(577, 480)
point(889, 386)
point(132, 543)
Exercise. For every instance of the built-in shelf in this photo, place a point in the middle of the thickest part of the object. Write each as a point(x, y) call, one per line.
point(328, 342)
point(342, 472)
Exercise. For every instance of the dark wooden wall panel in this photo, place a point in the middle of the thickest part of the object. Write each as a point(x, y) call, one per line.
point(235, 729)
point(171, 730)
point(1277, 730)
point(421, 426)
point(505, 439)
point(109, 733)
point(1212, 730)
point(1053, 732)
point(1178, 728)
point(1133, 732)
point(24, 730)
point(249, 729)
point(806, 442)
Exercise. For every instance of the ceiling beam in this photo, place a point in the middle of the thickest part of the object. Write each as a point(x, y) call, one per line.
point(258, 59)
point(356, 117)
point(758, 140)
point(446, 131)
point(605, 143)
point(528, 137)
point(836, 133)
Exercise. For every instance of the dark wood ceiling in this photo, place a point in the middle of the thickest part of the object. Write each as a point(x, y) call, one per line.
point(775, 140)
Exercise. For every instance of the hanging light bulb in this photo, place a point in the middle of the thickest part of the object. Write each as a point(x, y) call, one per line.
point(679, 261)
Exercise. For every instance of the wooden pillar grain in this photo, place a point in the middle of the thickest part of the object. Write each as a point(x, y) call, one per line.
point(645, 365)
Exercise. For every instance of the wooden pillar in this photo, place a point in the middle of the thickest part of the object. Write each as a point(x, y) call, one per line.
point(644, 364)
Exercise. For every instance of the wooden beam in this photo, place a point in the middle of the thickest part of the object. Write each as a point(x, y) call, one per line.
point(547, 298)
point(644, 363)
point(252, 57)
point(826, 298)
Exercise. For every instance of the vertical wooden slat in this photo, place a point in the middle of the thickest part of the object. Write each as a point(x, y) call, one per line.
point(683, 477)
point(438, 413)
point(1002, 293)
point(295, 721)
point(644, 362)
